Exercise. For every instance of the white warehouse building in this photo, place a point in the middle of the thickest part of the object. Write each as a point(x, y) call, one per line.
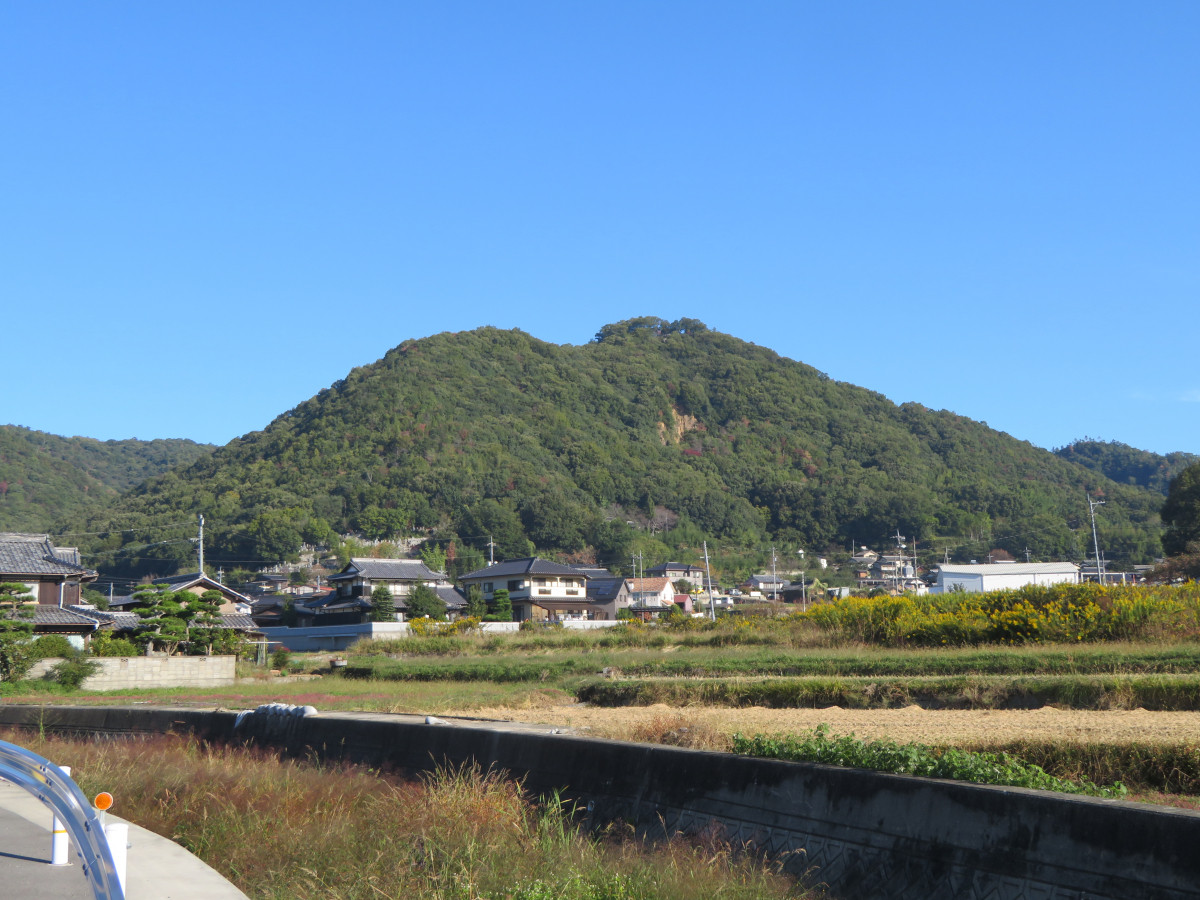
point(1003, 575)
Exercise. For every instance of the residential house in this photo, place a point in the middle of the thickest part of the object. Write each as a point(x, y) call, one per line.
point(361, 576)
point(539, 590)
point(765, 585)
point(693, 575)
point(51, 574)
point(232, 602)
point(1002, 575)
point(607, 595)
point(650, 597)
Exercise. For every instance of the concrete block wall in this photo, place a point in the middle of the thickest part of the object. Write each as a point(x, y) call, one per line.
point(864, 834)
point(118, 672)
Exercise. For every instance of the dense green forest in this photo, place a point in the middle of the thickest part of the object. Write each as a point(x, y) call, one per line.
point(656, 435)
point(45, 478)
point(1128, 465)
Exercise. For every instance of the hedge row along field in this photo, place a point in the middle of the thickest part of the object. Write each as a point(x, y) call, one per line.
point(1151, 692)
point(690, 662)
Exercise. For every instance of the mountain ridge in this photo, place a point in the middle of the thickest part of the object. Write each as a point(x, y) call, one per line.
point(686, 432)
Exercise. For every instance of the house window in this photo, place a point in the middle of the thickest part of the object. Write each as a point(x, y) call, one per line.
point(572, 593)
point(543, 590)
point(487, 587)
point(539, 581)
point(514, 585)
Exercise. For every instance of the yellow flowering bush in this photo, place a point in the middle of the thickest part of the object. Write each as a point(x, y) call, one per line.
point(1033, 614)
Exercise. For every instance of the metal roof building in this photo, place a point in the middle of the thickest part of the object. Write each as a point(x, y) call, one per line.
point(1003, 575)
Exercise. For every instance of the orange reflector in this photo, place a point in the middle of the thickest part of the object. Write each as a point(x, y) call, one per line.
point(103, 801)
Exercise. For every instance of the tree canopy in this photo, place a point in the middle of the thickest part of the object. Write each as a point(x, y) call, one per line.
point(657, 431)
point(1181, 512)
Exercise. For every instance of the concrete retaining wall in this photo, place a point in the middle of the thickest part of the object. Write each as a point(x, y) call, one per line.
point(865, 834)
point(119, 672)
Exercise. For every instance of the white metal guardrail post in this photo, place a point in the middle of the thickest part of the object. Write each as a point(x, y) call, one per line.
point(52, 786)
point(59, 845)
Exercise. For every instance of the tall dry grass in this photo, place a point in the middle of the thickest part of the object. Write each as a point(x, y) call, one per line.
point(280, 829)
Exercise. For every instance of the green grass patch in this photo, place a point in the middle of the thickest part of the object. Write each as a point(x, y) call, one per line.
point(978, 767)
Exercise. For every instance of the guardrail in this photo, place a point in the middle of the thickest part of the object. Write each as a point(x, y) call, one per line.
point(53, 787)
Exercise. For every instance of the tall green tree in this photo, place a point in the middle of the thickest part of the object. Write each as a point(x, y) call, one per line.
point(1181, 512)
point(383, 605)
point(424, 601)
point(16, 625)
point(475, 604)
point(501, 606)
point(165, 616)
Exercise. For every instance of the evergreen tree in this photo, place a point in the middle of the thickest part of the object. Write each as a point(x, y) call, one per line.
point(16, 625)
point(165, 616)
point(1181, 512)
point(383, 606)
point(475, 605)
point(501, 607)
point(424, 601)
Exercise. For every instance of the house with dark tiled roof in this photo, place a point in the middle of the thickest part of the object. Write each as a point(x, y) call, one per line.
point(400, 576)
point(608, 594)
point(51, 574)
point(693, 575)
point(540, 590)
point(232, 602)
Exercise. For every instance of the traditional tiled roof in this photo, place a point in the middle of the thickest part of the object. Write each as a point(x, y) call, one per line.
point(120, 621)
point(451, 596)
point(45, 614)
point(648, 585)
point(388, 570)
point(33, 554)
point(194, 579)
point(238, 622)
point(529, 565)
point(677, 567)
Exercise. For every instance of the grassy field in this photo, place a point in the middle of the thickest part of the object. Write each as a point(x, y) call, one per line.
point(287, 830)
point(1049, 655)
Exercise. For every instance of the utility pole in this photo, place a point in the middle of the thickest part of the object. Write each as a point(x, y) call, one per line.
point(712, 607)
point(491, 551)
point(774, 579)
point(1028, 552)
point(803, 589)
point(1092, 504)
point(200, 542)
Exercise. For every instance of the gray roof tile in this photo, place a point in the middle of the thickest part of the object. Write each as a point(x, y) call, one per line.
point(388, 570)
point(529, 565)
point(33, 554)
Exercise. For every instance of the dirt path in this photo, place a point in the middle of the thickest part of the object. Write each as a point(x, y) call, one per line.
point(911, 724)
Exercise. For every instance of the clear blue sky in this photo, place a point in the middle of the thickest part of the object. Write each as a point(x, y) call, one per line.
point(210, 211)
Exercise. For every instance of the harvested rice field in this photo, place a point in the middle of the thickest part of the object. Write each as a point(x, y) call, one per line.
point(903, 725)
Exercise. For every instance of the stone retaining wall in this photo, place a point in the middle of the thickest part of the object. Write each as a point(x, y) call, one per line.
point(865, 834)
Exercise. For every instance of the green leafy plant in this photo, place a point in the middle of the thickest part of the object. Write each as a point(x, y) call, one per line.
point(998, 768)
point(74, 671)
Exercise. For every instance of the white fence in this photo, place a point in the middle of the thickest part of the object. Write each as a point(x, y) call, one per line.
point(331, 638)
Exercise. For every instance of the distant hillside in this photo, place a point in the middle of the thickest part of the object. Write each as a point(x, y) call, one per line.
point(655, 428)
point(45, 478)
point(1128, 465)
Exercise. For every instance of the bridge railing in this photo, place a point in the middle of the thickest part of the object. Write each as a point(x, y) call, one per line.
point(55, 789)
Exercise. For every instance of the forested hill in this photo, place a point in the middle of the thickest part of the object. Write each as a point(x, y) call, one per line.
point(1128, 465)
point(44, 477)
point(684, 432)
